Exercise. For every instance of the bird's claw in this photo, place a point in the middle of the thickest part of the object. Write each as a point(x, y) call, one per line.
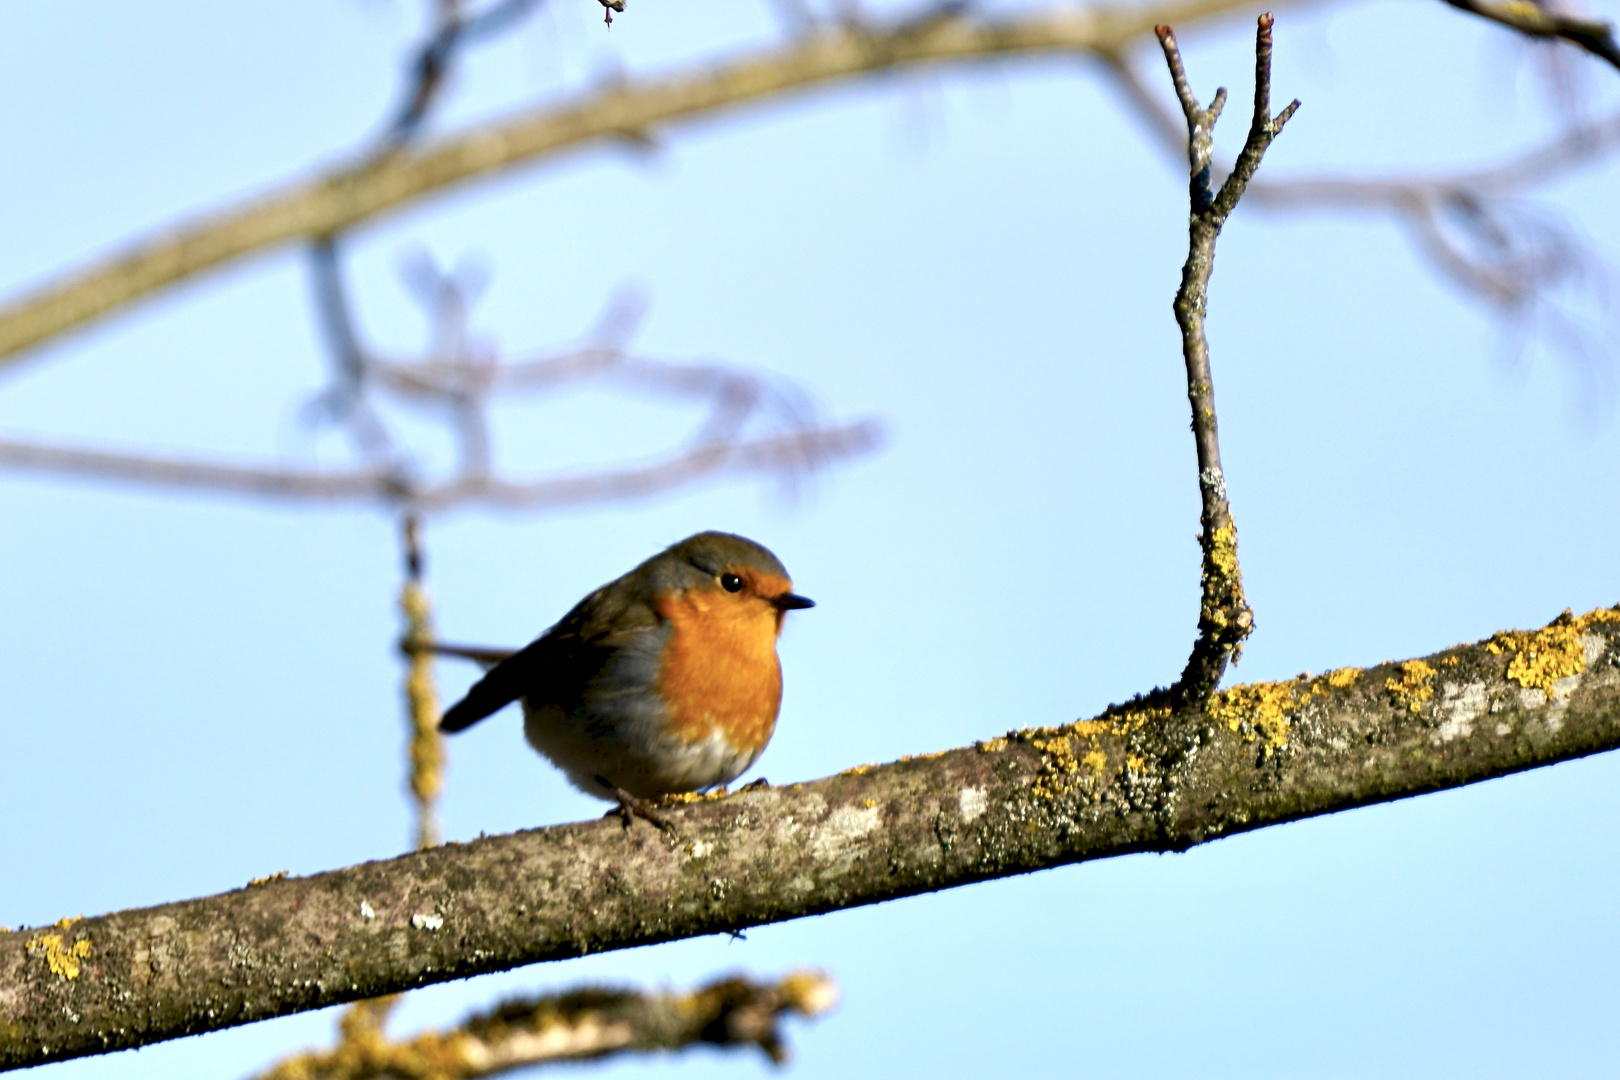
point(630, 808)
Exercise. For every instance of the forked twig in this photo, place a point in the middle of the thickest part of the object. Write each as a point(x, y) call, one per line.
point(1224, 616)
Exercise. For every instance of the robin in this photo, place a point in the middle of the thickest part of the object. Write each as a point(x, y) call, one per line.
point(663, 681)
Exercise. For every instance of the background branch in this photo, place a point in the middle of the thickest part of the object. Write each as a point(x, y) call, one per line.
point(1136, 778)
point(1466, 225)
point(577, 1025)
point(1540, 20)
point(347, 196)
point(787, 453)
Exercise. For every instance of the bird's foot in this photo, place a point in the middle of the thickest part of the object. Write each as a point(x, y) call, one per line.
point(755, 785)
point(630, 807)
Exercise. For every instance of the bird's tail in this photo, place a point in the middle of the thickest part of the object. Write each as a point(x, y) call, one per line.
point(501, 685)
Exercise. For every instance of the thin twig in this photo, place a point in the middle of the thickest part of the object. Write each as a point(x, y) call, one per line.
point(1511, 259)
point(453, 30)
point(1224, 617)
point(346, 196)
point(425, 756)
point(782, 454)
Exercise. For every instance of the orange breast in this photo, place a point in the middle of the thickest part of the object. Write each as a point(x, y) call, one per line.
point(720, 668)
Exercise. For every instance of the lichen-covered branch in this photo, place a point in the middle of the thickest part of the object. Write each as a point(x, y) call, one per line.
point(349, 195)
point(572, 1026)
point(425, 752)
point(1140, 777)
point(1224, 616)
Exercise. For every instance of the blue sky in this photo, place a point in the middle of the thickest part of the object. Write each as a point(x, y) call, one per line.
point(200, 691)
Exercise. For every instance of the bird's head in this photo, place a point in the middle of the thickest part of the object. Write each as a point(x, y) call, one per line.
point(732, 572)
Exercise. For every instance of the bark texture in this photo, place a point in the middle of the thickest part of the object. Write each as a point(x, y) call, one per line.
point(1137, 778)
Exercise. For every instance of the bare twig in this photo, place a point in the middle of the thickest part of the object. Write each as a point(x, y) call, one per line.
point(1137, 778)
point(344, 400)
point(347, 196)
point(1224, 617)
point(1511, 258)
point(573, 1026)
point(1539, 20)
point(483, 655)
point(783, 454)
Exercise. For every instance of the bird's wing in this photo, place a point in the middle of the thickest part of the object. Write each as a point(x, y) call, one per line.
point(555, 666)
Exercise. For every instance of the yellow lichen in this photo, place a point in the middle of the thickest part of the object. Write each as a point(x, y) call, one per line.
point(1223, 551)
point(1058, 766)
point(1539, 658)
point(1263, 710)
point(681, 798)
point(1343, 677)
point(1413, 688)
point(62, 959)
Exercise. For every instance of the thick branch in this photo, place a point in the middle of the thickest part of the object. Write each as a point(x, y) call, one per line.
point(1137, 778)
point(356, 193)
point(573, 1026)
point(1224, 616)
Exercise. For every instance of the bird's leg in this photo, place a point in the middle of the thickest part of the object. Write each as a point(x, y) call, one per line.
point(755, 785)
point(631, 807)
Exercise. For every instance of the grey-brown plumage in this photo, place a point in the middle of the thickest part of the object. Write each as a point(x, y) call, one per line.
point(592, 685)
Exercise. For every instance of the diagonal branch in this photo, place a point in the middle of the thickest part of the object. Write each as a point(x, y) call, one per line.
point(1224, 616)
point(1539, 20)
point(360, 192)
point(1137, 778)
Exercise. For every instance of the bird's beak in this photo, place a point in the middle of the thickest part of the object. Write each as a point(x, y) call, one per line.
point(792, 602)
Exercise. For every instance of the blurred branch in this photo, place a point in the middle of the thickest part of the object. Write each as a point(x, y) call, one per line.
point(330, 203)
point(1509, 260)
point(454, 29)
point(1539, 20)
point(578, 1025)
point(426, 746)
point(783, 453)
point(1136, 778)
point(1225, 619)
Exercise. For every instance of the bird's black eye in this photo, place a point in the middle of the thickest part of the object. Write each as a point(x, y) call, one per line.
point(731, 582)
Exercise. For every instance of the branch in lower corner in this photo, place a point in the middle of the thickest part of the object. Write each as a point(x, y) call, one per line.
point(573, 1026)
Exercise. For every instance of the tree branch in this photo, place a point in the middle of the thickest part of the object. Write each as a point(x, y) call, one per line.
point(1224, 616)
point(788, 451)
point(1136, 778)
point(573, 1026)
point(1539, 20)
point(1512, 261)
point(359, 192)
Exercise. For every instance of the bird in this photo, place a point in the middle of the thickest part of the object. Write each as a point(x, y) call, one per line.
point(661, 682)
